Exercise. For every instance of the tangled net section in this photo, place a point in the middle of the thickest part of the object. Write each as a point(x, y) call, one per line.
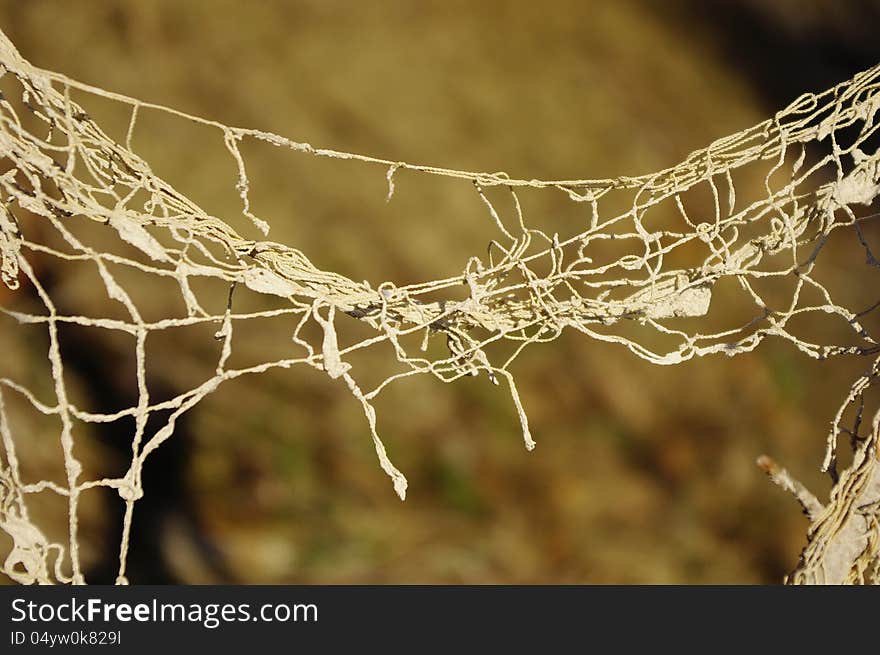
point(640, 270)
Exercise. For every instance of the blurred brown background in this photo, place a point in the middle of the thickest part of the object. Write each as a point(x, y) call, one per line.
point(641, 475)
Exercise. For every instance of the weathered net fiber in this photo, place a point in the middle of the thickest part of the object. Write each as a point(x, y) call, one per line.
point(641, 273)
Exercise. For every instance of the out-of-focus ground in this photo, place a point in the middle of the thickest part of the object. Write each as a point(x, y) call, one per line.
point(642, 474)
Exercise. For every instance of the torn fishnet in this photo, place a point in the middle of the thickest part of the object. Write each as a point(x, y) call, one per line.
point(612, 280)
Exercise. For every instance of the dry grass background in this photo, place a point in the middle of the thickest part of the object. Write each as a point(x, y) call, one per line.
point(642, 474)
